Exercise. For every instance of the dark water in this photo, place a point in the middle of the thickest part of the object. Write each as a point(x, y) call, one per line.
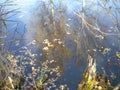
point(33, 21)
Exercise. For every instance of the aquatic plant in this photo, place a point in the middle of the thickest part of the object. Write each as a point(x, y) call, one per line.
point(41, 77)
point(92, 80)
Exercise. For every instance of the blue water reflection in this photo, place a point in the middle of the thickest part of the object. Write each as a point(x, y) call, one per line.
point(29, 16)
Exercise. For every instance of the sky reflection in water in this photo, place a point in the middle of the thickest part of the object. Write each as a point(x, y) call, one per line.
point(29, 16)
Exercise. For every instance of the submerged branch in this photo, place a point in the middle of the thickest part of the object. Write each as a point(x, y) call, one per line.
point(88, 26)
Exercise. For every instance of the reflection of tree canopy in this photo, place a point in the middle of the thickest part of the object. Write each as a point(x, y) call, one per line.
point(90, 38)
point(89, 31)
point(94, 30)
point(52, 29)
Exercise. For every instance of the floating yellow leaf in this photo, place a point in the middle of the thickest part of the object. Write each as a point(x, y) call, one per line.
point(118, 54)
point(106, 50)
point(45, 48)
point(9, 57)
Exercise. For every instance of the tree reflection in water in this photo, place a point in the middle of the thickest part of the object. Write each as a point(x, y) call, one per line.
point(64, 37)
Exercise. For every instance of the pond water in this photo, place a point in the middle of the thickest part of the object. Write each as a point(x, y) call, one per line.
point(36, 23)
